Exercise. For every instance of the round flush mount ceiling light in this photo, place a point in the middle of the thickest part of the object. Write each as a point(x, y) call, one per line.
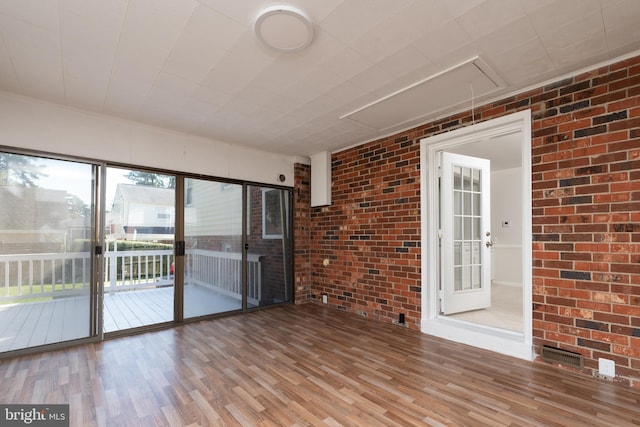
point(284, 28)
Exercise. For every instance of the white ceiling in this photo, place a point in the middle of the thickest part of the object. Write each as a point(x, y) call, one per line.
point(504, 151)
point(196, 65)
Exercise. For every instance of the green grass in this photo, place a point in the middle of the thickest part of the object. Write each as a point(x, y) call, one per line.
point(31, 294)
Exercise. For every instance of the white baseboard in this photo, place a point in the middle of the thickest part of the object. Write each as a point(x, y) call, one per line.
point(506, 283)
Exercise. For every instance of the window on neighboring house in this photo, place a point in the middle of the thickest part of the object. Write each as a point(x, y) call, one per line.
point(188, 193)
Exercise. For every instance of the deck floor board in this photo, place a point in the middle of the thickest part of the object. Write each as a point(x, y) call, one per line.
point(46, 322)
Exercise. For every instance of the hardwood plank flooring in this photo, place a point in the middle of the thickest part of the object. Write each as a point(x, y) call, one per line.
point(307, 365)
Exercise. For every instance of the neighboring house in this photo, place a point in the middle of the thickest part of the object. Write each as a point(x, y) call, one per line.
point(34, 219)
point(142, 213)
point(209, 212)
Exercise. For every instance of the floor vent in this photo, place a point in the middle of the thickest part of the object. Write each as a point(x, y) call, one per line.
point(563, 357)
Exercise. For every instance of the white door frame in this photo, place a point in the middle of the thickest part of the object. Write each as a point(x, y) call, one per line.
point(517, 344)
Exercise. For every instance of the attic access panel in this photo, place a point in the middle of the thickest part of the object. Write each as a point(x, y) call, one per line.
point(437, 93)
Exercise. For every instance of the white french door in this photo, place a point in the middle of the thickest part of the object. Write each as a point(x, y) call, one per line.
point(465, 233)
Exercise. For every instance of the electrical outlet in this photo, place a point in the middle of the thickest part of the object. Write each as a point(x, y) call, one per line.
point(606, 367)
point(324, 299)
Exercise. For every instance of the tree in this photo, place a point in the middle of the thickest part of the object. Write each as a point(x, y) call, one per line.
point(76, 206)
point(19, 170)
point(151, 179)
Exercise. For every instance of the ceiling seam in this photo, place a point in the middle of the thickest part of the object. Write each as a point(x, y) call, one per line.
point(113, 61)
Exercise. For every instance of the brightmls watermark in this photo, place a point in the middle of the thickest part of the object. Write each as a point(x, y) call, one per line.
point(34, 415)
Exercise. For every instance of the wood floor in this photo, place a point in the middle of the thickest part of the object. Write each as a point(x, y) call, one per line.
point(307, 365)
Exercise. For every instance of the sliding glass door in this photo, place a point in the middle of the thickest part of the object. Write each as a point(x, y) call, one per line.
point(213, 247)
point(47, 224)
point(268, 246)
point(226, 248)
point(139, 262)
point(230, 266)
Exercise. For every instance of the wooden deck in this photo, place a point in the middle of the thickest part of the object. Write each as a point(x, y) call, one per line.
point(125, 310)
point(38, 323)
point(307, 366)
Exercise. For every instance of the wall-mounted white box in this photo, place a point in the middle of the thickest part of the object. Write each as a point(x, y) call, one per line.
point(321, 179)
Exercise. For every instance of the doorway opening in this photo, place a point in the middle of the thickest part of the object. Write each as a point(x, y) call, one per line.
point(140, 216)
point(476, 222)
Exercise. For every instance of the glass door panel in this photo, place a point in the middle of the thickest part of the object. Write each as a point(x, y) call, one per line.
point(47, 217)
point(138, 256)
point(465, 216)
point(269, 254)
point(213, 247)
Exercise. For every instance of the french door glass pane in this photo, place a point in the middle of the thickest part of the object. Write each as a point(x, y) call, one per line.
point(466, 225)
point(140, 226)
point(213, 240)
point(46, 237)
point(269, 257)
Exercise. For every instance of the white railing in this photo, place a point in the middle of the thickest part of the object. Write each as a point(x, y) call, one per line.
point(52, 275)
point(28, 276)
point(222, 272)
point(127, 270)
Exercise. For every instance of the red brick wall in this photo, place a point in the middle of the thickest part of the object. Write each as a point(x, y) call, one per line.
point(371, 232)
point(586, 218)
